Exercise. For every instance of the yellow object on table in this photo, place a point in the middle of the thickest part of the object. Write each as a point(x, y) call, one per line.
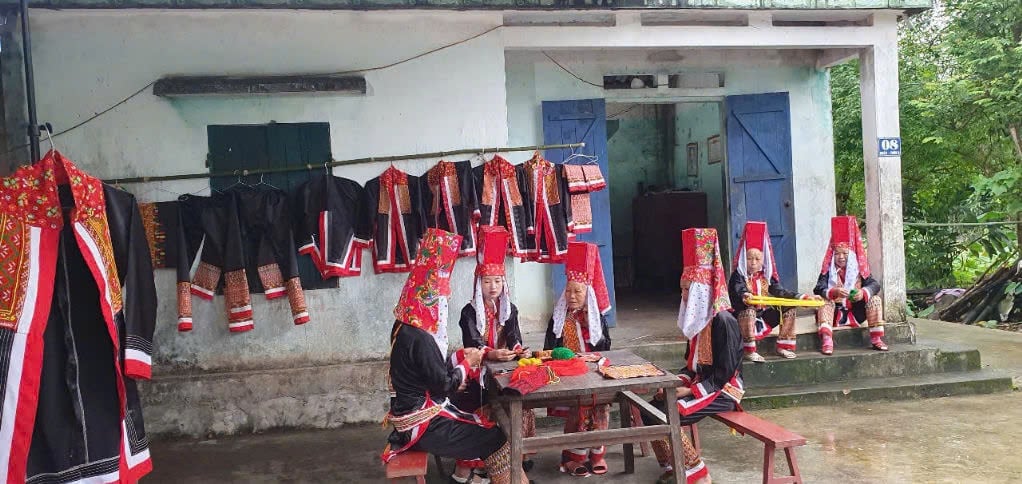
point(780, 301)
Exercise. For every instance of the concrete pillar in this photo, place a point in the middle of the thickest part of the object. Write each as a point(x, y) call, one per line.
point(884, 229)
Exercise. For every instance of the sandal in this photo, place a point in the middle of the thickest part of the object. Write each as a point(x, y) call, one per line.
point(598, 465)
point(880, 346)
point(666, 478)
point(579, 470)
point(755, 357)
point(827, 347)
point(787, 354)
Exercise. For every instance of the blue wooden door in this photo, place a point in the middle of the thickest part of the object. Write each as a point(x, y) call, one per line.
point(759, 171)
point(584, 121)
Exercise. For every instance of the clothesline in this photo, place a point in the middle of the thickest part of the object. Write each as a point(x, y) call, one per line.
point(331, 164)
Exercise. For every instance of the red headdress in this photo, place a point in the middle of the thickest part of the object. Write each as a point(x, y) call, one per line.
point(493, 242)
point(844, 234)
point(756, 236)
point(423, 302)
point(707, 292)
point(582, 264)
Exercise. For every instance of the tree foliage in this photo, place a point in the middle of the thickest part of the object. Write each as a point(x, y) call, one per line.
point(961, 108)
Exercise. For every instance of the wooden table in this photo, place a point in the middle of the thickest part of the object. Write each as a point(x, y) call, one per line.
point(589, 388)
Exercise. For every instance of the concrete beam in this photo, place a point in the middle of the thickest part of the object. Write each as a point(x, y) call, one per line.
point(884, 228)
point(832, 57)
point(631, 33)
point(258, 85)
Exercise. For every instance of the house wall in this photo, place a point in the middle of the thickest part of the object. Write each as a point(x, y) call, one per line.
point(330, 371)
point(85, 61)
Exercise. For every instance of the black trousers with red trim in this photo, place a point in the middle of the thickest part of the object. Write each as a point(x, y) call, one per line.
point(459, 440)
point(721, 404)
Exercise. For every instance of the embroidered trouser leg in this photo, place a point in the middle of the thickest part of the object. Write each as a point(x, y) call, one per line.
point(786, 337)
point(872, 311)
point(585, 419)
point(825, 319)
point(694, 467)
point(747, 325)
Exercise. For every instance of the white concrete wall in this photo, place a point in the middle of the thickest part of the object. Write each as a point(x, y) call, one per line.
point(86, 61)
point(532, 78)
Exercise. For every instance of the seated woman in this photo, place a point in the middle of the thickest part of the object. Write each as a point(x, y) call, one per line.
point(490, 323)
point(422, 378)
point(579, 325)
point(713, 357)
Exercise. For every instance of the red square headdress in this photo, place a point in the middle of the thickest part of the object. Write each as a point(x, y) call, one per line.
point(707, 292)
point(423, 302)
point(756, 236)
point(493, 242)
point(845, 234)
point(582, 264)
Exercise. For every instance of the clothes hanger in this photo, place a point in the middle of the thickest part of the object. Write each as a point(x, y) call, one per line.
point(263, 182)
point(590, 159)
point(49, 136)
point(238, 183)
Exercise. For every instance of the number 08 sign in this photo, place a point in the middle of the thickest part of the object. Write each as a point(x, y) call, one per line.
point(889, 146)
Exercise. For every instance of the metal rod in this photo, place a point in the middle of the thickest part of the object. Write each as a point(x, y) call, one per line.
point(33, 124)
point(331, 164)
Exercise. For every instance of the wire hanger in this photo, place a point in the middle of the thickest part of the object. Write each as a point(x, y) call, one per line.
point(590, 159)
point(49, 136)
point(238, 183)
point(262, 182)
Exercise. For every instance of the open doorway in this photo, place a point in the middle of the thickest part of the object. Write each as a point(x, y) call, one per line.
point(666, 166)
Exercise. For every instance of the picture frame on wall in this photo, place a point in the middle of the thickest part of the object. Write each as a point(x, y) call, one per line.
point(692, 157)
point(714, 151)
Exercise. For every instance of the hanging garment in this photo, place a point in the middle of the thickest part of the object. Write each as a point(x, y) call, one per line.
point(160, 221)
point(213, 223)
point(451, 202)
point(270, 247)
point(582, 180)
point(499, 191)
point(326, 211)
point(76, 325)
point(393, 216)
point(548, 210)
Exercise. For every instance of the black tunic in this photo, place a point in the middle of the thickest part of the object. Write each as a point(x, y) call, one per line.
point(463, 204)
point(510, 332)
point(394, 247)
point(727, 354)
point(738, 285)
point(418, 369)
point(326, 212)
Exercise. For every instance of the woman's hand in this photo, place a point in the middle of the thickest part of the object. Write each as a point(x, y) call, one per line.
point(682, 392)
point(500, 355)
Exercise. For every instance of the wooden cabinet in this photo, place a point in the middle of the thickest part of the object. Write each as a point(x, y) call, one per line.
point(658, 221)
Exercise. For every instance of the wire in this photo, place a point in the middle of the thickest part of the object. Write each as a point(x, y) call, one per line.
point(576, 76)
point(623, 111)
point(572, 74)
point(958, 224)
point(370, 69)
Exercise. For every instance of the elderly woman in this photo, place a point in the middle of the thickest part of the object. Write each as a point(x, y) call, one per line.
point(852, 294)
point(578, 323)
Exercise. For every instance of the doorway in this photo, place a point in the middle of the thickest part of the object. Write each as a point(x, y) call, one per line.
point(666, 174)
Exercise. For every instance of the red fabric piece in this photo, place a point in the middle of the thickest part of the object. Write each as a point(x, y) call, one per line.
point(572, 367)
point(527, 379)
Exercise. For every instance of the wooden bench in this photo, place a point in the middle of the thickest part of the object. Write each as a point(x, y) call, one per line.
point(773, 437)
point(410, 463)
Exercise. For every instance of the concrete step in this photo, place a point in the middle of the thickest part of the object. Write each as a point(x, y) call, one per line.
point(847, 363)
point(889, 388)
point(668, 355)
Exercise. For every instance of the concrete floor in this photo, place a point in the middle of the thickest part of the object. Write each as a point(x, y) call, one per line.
point(952, 439)
point(939, 440)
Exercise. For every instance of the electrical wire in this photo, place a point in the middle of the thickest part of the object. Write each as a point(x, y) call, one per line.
point(353, 71)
